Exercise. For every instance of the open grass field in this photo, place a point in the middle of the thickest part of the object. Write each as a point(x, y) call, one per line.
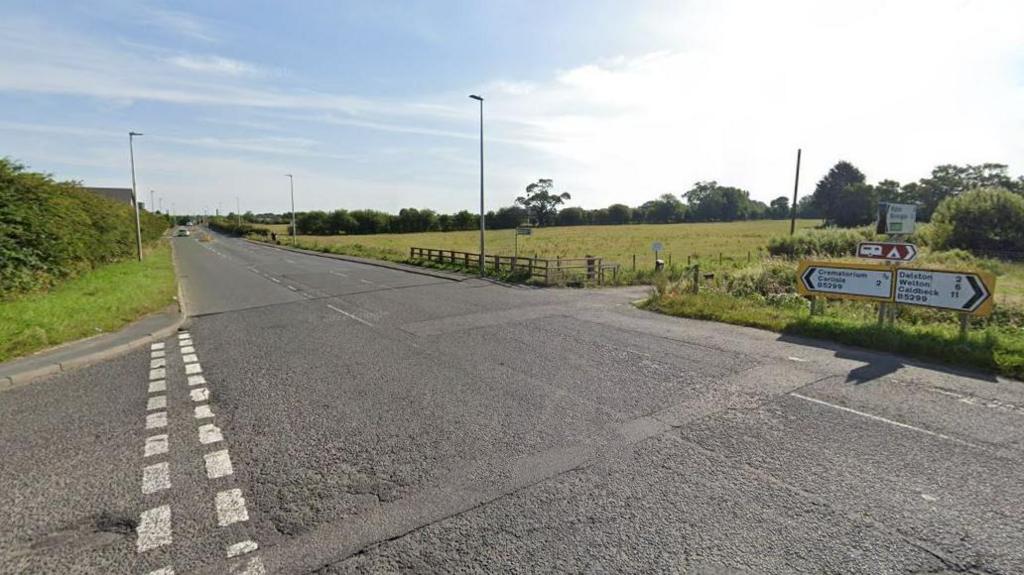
point(616, 244)
point(99, 301)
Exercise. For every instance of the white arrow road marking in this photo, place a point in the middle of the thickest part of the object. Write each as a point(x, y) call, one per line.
point(156, 445)
point(241, 548)
point(155, 478)
point(193, 368)
point(218, 464)
point(154, 528)
point(203, 412)
point(157, 402)
point(156, 420)
point(209, 433)
point(196, 380)
point(230, 507)
point(157, 386)
point(199, 394)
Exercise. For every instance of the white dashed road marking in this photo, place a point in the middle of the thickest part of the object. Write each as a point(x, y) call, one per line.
point(184, 335)
point(293, 288)
point(156, 420)
point(193, 368)
point(155, 478)
point(366, 281)
point(218, 464)
point(154, 528)
point(156, 354)
point(275, 280)
point(199, 394)
point(188, 349)
point(196, 380)
point(189, 358)
point(157, 386)
point(157, 345)
point(156, 445)
point(157, 402)
point(231, 507)
point(162, 571)
point(158, 362)
point(203, 412)
point(159, 373)
point(345, 313)
point(241, 548)
point(253, 567)
point(209, 433)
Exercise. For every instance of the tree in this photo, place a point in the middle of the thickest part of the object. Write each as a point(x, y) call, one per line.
point(889, 191)
point(779, 208)
point(619, 214)
point(860, 205)
point(508, 217)
point(984, 219)
point(709, 202)
point(312, 223)
point(950, 180)
point(464, 220)
point(666, 209)
point(829, 189)
point(341, 222)
point(541, 202)
point(572, 217)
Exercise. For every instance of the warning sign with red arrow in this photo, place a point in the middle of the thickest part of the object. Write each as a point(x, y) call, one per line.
point(889, 251)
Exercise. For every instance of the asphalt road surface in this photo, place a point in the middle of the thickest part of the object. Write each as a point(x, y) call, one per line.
point(321, 416)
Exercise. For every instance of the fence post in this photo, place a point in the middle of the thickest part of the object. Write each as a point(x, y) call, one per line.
point(748, 256)
point(696, 278)
point(465, 260)
point(719, 258)
point(964, 323)
point(411, 252)
point(634, 262)
point(670, 261)
point(497, 264)
point(687, 261)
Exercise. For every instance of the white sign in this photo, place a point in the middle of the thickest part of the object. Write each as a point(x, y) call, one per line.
point(900, 218)
point(524, 231)
point(656, 246)
point(869, 283)
point(891, 251)
point(960, 291)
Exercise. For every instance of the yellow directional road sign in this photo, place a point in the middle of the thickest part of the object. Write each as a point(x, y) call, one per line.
point(872, 282)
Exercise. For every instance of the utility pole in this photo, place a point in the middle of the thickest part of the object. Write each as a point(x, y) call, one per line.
point(152, 202)
point(482, 224)
point(135, 197)
point(291, 182)
point(238, 210)
point(796, 185)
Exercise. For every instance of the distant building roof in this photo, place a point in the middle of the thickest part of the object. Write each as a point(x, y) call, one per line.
point(116, 194)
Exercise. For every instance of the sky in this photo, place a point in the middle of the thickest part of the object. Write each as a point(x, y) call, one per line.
point(366, 103)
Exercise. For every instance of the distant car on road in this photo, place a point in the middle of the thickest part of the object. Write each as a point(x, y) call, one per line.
point(183, 232)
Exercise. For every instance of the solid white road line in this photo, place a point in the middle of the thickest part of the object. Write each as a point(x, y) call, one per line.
point(218, 464)
point(199, 394)
point(275, 280)
point(158, 362)
point(209, 433)
point(203, 412)
point(156, 402)
point(230, 507)
point(157, 386)
point(156, 354)
point(193, 368)
point(158, 373)
point(882, 419)
point(154, 528)
point(188, 349)
point(241, 548)
point(345, 313)
point(156, 445)
point(189, 358)
point(196, 380)
point(156, 420)
point(156, 477)
point(293, 288)
point(157, 345)
point(162, 571)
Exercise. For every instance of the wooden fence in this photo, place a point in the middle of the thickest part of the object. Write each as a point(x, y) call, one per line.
point(589, 269)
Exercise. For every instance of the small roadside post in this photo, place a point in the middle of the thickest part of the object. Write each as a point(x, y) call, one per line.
point(521, 231)
point(656, 247)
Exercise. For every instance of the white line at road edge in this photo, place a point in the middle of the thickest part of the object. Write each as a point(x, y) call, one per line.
point(231, 507)
point(883, 420)
point(345, 313)
point(218, 464)
point(154, 528)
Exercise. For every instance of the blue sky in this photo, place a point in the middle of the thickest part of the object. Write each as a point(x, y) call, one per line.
point(366, 102)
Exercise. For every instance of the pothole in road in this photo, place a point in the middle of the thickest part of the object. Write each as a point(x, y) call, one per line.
point(98, 531)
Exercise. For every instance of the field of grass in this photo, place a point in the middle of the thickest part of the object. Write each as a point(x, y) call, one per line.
point(98, 301)
point(616, 244)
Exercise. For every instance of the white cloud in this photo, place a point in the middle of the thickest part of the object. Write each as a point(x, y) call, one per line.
point(180, 23)
point(214, 65)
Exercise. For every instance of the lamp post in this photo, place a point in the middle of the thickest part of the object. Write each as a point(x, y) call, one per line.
point(238, 211)
point(481, 100)
point(135, 198)
point(291, 183)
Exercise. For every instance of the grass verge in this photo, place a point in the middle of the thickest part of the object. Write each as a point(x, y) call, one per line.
point(98, 301)
point(990, 347)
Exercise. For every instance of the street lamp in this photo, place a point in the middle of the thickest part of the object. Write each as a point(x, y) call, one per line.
point(291, 183)
point(481, 100)
point(135, 199)
point(238, 211)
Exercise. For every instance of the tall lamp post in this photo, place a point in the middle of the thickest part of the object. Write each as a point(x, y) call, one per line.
point(291, 184)
point(135, 197)
point(481, 100)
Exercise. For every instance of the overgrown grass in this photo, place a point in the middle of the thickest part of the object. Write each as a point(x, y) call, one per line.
point(97, 301)
point(992, 345)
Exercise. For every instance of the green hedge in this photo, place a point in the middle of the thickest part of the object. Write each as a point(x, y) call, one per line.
point(228, 226)
point(51, 230)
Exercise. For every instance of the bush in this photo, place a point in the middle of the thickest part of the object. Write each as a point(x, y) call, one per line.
point(828, 242)
point(52, 230)
point(771, 278)
point(986, 219)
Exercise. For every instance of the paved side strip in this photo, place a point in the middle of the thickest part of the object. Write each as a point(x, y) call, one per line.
point(154, 528)
point(156, 477)
point(230, 507)
point(218, 464)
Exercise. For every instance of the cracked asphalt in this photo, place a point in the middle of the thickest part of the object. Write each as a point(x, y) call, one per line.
point(380, 421)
